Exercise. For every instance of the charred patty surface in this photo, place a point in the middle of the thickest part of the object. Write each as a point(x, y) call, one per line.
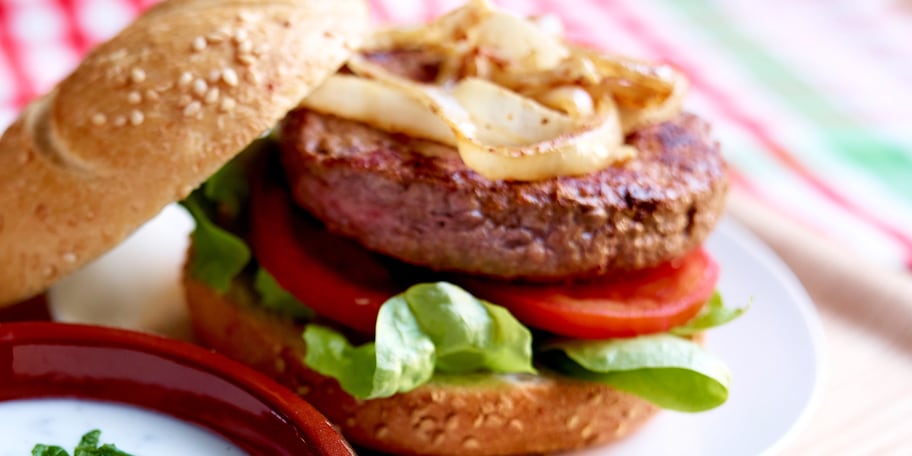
point(416, 201)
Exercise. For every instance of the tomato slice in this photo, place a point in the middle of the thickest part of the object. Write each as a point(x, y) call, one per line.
point(626, 305)
point(335, 277)
point(342, 281)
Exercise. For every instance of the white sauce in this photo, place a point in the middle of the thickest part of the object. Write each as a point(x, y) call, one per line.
point(140, 432)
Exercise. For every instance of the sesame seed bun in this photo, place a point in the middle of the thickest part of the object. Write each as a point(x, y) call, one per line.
point(486, 415)
point(148, 116)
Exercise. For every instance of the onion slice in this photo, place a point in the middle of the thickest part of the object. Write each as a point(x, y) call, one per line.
point(512, 97)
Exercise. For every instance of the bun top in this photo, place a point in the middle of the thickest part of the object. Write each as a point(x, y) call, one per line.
point(148, 116)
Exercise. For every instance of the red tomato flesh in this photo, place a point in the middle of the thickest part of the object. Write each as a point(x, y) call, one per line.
point(642, 302)
point(342, 281)
point(335, 277)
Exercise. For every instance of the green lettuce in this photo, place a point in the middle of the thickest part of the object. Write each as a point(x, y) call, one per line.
point(276, 299)
point(229, 187)
point(713, 314)
point(218, 255)
point(431, 327)
point(669, 371)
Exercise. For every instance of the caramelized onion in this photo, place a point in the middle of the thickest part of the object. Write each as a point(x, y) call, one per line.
point(510, 95)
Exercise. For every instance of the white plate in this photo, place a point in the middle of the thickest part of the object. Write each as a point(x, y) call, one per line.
point(774, 350)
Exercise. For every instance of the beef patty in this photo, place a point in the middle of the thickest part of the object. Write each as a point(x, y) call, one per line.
point(416, 201)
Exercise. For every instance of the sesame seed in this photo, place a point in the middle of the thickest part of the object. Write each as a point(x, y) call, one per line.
point(426, 425)
point(164, 86)
point(246, 59)
point(494, 420)
point(230, 77)
point(212, 95)
point(471, 443)
point(516, 425)
point(214, 76)
point(151, 95)
point(240, 35)
point(200, 87)
point(99, 119)
point(587, 432)
point(620, 430)
point(215, 38)
point(185, 79)
point(192, 109)
point(572, 422)
point(199, 43)
point(137, 75)
point(245, 47)
point(381, 431)
point(134, 97)
point(595, 399)
point(254, 76)
point(69, 257)
point(247, 16)
point(227, 104)
point(120, 121)
point(418, 415)
point(136, 117)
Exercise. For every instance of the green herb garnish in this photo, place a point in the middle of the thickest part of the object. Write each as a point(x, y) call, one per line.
point(88, 446)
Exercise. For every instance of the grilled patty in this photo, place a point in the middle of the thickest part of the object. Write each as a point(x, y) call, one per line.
point(416, 201)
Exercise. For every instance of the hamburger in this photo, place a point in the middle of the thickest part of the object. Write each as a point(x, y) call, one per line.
point(465, 237)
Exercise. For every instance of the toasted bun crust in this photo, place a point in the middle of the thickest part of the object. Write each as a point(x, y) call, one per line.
point(496, 415)
point(149, 115)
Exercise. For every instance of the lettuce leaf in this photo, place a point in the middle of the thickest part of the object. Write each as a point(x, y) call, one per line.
point(713, 314)
point(432, 326)
point(218, 255)
point(276, 299)
point(669, 371)
point(229, 187)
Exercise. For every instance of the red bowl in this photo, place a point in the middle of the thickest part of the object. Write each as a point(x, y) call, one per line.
point(43, 359)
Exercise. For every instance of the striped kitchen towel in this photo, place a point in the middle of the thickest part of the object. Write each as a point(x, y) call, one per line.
point(811, 100)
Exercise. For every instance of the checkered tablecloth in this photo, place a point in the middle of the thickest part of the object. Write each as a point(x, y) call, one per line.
point(811, 100)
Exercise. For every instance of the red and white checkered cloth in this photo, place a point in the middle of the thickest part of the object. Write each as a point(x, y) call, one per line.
point(811, 100)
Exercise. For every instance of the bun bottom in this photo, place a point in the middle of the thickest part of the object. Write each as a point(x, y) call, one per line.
point(482, 415)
